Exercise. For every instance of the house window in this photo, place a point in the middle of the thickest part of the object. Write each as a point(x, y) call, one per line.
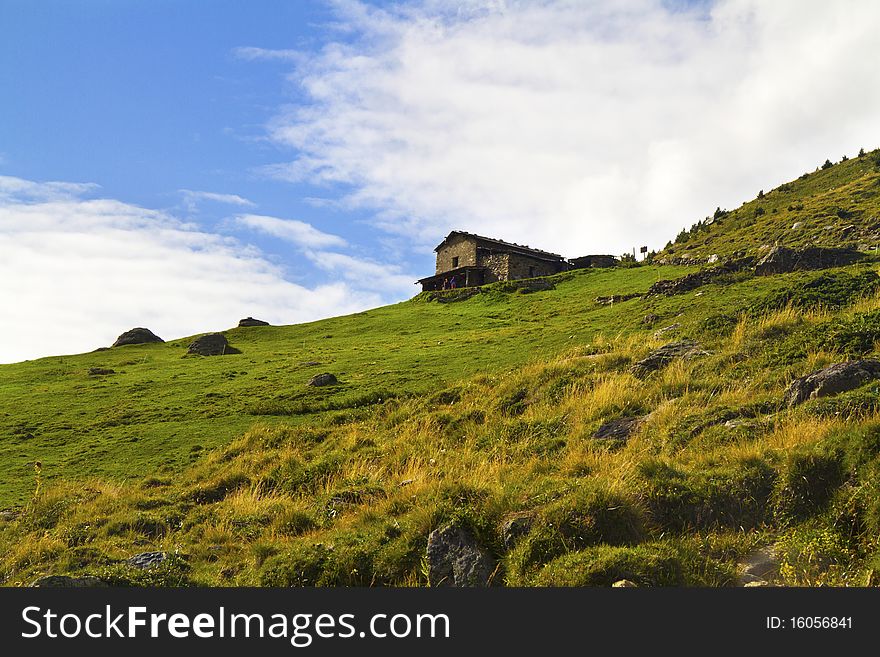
point(455, 262)
point(531, 272)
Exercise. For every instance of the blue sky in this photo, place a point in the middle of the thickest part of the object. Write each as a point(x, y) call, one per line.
point(182, 164)
point(149, 98)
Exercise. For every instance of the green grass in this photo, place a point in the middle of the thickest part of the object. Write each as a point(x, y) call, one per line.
point(475, 410)
point(160, 411)
point(838, 206)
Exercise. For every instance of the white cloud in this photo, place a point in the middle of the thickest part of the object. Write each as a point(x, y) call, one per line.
point(18, 188)
point(365, 273)
point(290, 230)
point(75, 273)
point(581, 126)
point(249, 53)
point(191, 198)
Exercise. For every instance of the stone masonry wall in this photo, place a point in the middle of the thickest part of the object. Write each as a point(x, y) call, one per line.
point(496, 265)
point(458, 246)
point(519, 267)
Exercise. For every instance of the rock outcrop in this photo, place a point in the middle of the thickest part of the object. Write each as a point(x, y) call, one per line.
point(138, 335)
point(456, 559)
point(699, 278)
point(250, 321)
point(662, 356)
point(832, 380)
point(146, 560)
point(212, 344)
point(781, 260)
point(323, 379)
point(618, 430)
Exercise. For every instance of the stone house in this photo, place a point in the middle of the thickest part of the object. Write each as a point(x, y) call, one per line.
point(467, 260)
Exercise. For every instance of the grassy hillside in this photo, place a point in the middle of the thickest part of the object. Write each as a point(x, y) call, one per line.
point(481, 411)
point(837, 205)
point(160, 409)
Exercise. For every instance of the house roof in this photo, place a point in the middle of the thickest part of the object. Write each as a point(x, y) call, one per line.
point(510, 246)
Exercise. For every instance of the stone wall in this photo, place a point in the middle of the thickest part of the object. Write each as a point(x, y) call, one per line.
point(525, 267)
point(459, 246)
point(496, 264)
point(585, 262)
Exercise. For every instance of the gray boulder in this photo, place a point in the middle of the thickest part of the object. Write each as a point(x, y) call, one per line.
point(666, 330)
point(456, 559)
point(250, 321)
point(138, 335)
point(68, 582)
point(832, 380)
point(324, 379)
point(618, 430)
point(662, 356)
point(212, 344)
point(146, 560)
